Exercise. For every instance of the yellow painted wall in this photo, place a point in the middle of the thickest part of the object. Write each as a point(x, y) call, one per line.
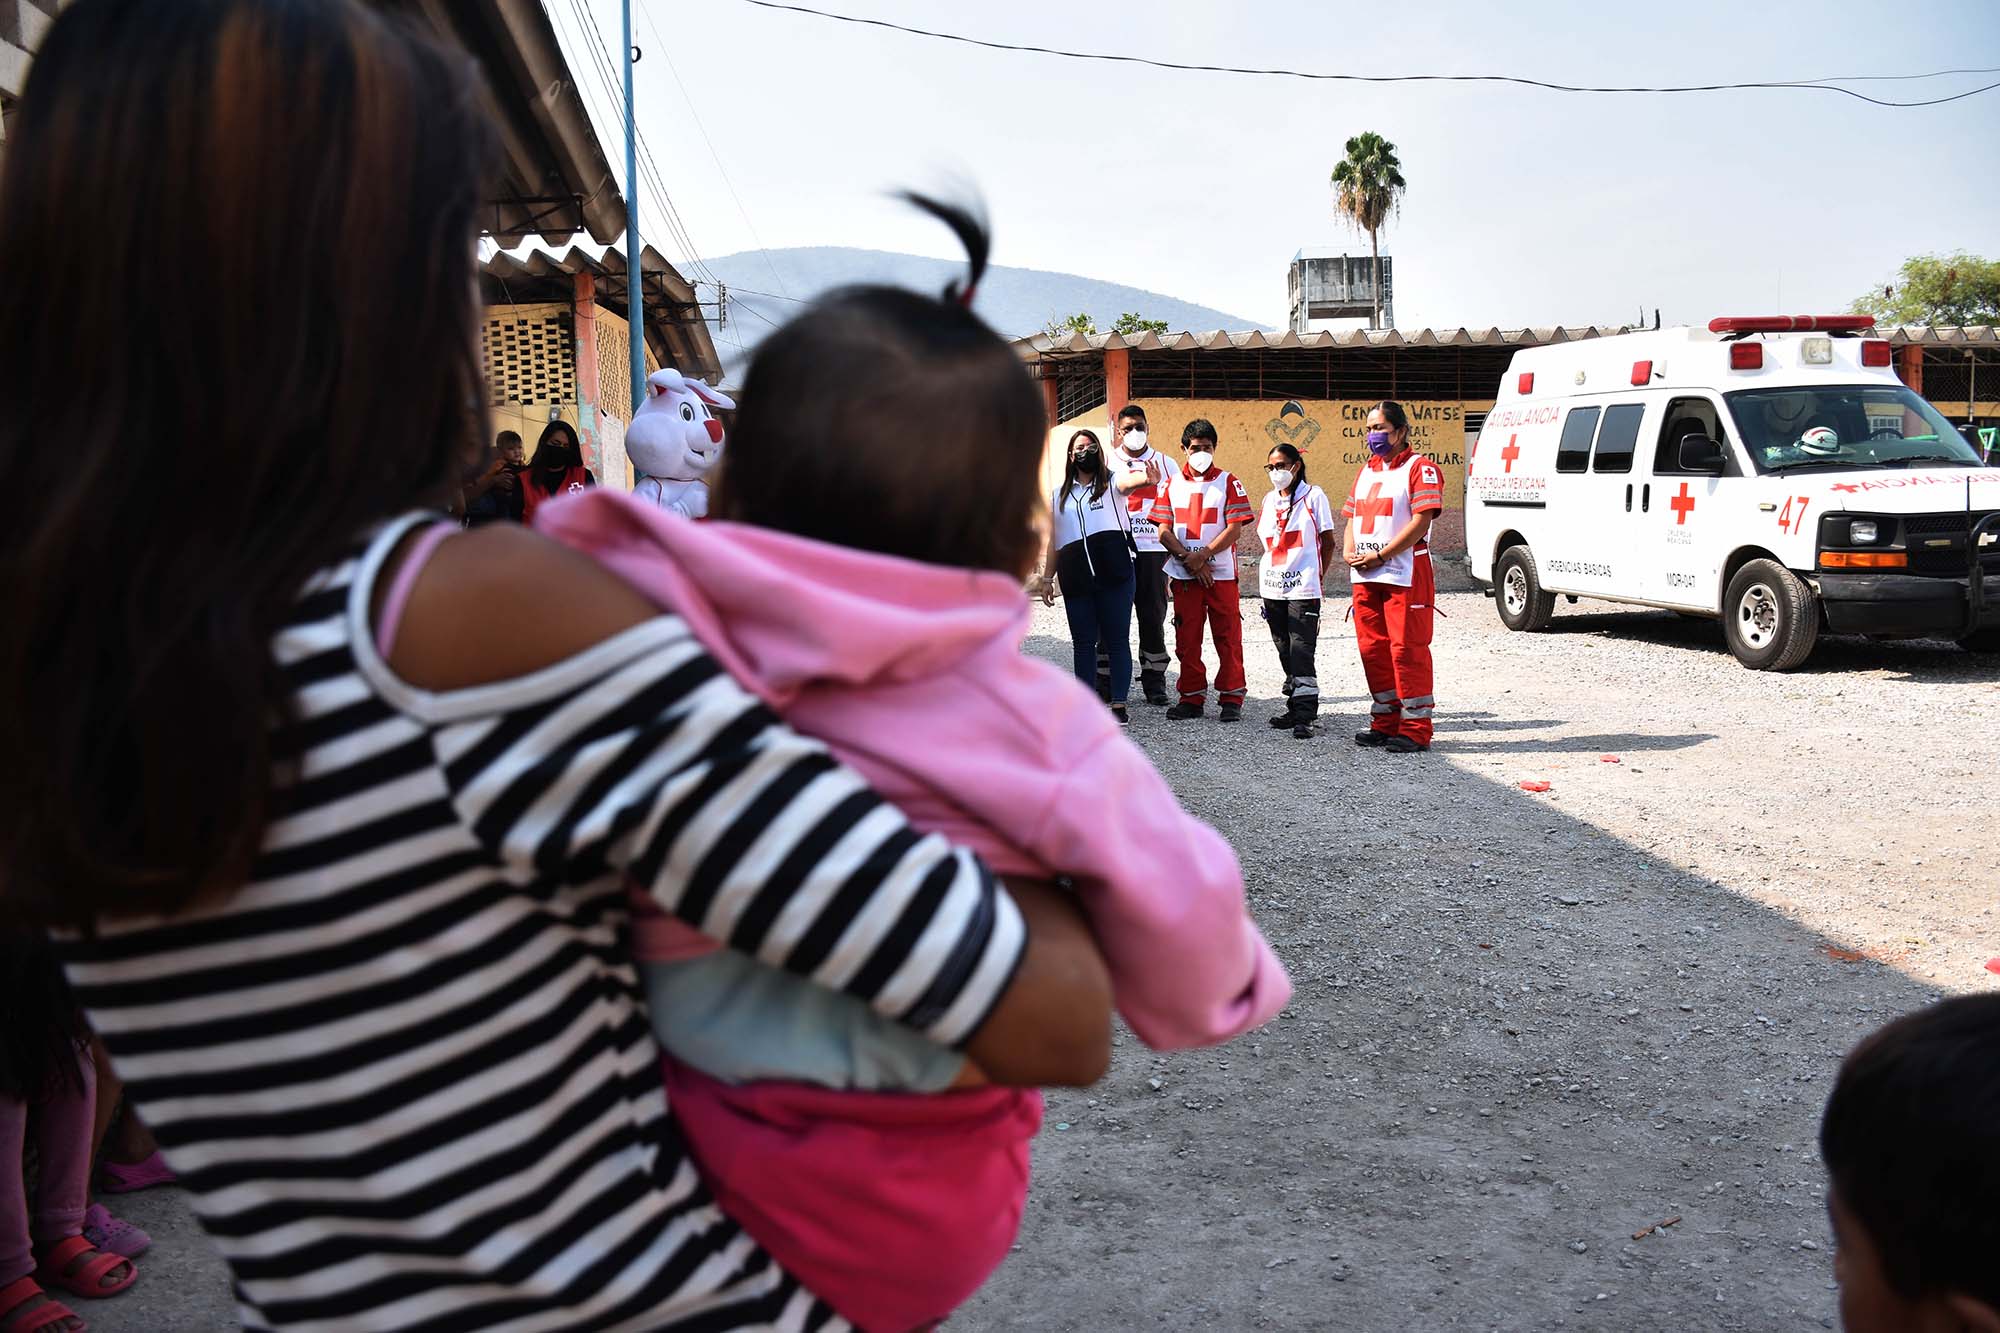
point(1331, 436)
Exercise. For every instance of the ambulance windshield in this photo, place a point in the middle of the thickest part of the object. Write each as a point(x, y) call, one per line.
point(1845, 426)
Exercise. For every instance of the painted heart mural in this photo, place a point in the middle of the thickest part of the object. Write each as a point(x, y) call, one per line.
point(1292, 426)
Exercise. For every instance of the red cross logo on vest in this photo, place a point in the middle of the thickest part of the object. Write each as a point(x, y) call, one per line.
point(1194, 515)
point(1372, 506)
point(1682, 505)
point(1287, 541)
point(1510, 453)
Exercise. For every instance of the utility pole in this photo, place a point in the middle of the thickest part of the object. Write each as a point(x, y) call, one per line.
point(635, 277)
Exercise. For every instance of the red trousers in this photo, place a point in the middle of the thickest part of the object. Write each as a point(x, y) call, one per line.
point(1393, 627)
point(1218, 605)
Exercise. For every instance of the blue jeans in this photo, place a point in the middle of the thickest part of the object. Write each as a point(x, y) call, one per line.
point(1102, 616)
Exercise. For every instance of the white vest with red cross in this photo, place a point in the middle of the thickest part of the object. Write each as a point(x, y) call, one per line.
point(1199, 509)
point(1385, 497)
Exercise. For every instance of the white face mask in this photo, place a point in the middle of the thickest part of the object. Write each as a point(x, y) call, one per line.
point(1135, 441)
point(1201, 460)
point(1280, 478)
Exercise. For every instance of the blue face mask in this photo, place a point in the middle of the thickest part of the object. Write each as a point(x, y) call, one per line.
point(1378, 443)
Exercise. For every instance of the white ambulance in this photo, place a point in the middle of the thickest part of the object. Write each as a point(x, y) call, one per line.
point(1770, 471)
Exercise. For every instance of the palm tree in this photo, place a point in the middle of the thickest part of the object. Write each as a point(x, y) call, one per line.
point(1367, 187)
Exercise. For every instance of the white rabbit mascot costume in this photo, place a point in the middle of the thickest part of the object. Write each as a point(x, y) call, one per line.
point(674, 441)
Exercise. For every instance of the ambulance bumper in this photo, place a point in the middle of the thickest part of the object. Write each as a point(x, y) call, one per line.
point(1905, 604)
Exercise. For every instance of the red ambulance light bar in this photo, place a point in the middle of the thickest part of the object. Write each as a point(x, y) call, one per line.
point(1527, 383)
point(1875, 352)
point(1746, 356)
point(1791, 323)
point(1642, 372)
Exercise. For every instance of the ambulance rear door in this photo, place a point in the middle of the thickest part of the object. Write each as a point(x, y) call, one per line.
point(1684, 529)
point(1598, 553)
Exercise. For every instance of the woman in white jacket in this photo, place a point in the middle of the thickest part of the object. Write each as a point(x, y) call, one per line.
point(1090, 550)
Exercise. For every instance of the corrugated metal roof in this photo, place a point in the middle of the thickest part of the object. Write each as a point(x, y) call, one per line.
point(674, 326)
point(1221, 340)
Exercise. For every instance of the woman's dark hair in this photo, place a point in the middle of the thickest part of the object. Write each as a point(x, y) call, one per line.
point(1393, 413)
point(44, 1033)
point(557, 458)
point(1198, 429)
point(1911, 1137)
point(1102, 478)
point(216, 385)
point(1298, 462)
point(833, 398)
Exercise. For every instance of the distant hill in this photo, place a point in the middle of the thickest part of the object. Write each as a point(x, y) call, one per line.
point(1016, 301)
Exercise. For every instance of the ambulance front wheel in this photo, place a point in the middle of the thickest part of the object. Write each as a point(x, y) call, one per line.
point(1769, 617)
point(1981, 641)
point(1518, 592)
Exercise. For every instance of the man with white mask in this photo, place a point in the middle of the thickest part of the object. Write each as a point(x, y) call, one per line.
point(1199, 517)
point(1140, 473)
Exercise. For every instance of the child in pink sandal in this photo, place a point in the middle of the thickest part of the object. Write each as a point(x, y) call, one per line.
point(44, 1063)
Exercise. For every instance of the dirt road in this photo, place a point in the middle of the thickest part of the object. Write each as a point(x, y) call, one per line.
point(1529, 1026)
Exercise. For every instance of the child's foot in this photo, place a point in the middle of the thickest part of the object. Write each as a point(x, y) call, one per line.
point(81, 1269)
point(26, 1308)
point(1232, 713)
point(116, 1177)
point(113, 1234)
point(1181, 712)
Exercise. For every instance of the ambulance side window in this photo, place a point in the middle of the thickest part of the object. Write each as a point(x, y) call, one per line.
point(1617, 438)
point(1684, 416)
point(1573, 453)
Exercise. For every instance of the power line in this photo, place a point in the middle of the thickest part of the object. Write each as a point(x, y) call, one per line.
point(723, 171)
point(1819, 86)
point(610, 80)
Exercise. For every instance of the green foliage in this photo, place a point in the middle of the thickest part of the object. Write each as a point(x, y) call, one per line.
point(1938, 289)
point(1368, 186)
point(1063, 329)
point(1368, 183)
point(1131, 322)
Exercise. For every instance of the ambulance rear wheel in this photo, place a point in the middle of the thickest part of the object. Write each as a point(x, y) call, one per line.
point(1517, 591)
point(1981, 641)
point(1769, 617)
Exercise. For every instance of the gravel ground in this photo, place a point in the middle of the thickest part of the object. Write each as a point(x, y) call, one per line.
point(1526, 1026)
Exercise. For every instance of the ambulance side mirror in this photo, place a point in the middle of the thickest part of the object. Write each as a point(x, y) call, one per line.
point(1700, 454)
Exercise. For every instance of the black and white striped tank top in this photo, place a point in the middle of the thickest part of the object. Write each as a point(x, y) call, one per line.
point(405, 1073)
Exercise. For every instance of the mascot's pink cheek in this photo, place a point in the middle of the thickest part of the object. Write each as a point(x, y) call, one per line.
point(714, 431)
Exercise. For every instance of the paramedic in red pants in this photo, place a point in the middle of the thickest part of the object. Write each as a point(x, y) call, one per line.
point(1199, 517)
point(1388, 554)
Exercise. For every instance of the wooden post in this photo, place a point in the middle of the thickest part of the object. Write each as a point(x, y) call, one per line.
point(588, 391)
point(1051, 398)
point(1910, 366)
point(1117, 380)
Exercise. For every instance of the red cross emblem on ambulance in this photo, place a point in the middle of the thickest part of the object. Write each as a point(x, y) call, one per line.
point(1682, 505)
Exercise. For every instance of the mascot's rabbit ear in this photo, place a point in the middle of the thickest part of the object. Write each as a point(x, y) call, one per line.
point(665, 381)
point(713, 397)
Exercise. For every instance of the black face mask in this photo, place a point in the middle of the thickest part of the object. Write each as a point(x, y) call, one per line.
point(1086, 460)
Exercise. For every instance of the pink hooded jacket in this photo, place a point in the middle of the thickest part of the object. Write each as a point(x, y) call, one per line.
point(895, 1207)
point(913, 675)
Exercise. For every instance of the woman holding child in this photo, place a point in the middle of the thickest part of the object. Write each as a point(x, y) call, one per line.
point(339, 862)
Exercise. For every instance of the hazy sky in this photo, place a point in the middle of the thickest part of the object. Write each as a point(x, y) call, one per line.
point(1524, 207)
